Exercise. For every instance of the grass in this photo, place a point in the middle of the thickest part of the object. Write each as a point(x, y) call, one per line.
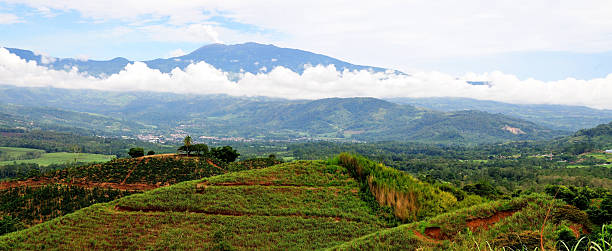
point(465, 229)
point(63, 157)
point(18, 151)
point(291, 206)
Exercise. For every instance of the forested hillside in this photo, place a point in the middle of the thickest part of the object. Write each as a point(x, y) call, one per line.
point(363, 119)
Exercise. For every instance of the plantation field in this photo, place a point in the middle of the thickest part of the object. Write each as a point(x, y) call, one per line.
point(298, 205)
point(57, 158)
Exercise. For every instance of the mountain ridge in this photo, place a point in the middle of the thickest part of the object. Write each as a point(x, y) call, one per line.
point(235, 58)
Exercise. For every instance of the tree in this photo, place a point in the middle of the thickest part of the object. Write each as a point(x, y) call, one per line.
point(136, 152)
point(187, 144)
point(226, 153)
point(151, 152)
point(200, 149)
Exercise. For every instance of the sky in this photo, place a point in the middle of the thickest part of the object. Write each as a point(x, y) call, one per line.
point(561, 50)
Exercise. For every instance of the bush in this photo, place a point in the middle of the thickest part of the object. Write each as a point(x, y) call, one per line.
point(136, 152)
point(151, 152)
point(226, 153)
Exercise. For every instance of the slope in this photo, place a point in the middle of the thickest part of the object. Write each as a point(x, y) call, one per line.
point(516, 224)
point(298, 205)
point(559, 117)
point(26, 202)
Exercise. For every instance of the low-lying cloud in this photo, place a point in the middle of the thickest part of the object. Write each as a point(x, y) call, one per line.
point(316, 82)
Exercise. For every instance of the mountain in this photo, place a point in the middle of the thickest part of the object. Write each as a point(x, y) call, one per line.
point(364, 119)
point(558, 117)
point(237, 58)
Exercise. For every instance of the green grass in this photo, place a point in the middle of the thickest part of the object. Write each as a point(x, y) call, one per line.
point(456, 234)
point(17, 151)
point(291, 206)
point(63, 157)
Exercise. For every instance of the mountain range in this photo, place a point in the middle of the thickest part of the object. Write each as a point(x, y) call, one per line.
point(363, 119)
point(238, 58)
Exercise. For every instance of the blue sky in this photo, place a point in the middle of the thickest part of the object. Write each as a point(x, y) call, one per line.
point(544, 40)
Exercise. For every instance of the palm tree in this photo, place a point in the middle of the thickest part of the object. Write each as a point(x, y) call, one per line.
point(187, 142)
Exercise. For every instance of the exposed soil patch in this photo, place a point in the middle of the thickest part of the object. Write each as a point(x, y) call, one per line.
point(485, 223)
point(578, 229)
point(425, 238)
point(213, 164)
point(474, 225)
point(434, 233)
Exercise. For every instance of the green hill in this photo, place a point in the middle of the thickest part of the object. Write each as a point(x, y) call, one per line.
point(515, 224)
point(348, 202)
point(27, 202)
point(365, 119)
point(297, 205)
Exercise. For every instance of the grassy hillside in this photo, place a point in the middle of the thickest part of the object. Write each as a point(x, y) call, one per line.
point(345, 203)
point(516, 224)
point(298, 205)
point(24, 203)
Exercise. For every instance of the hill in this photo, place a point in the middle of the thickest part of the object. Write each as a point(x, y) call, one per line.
point(26, 202)
point(345, 203)
point(517, 224)
point(364, 119)
point(238, 58)
point(558, 117)
point(297, 205)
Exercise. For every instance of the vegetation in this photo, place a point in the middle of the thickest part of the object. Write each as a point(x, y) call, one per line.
point(298, 205)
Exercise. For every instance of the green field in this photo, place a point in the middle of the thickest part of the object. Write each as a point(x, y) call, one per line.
point(16, 152)
point(52, 158)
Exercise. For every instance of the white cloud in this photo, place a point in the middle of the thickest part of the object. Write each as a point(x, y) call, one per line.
point(315, 82)
point(196, 33)
point(401, 32)
point(81, 57)
point(176, 53)
point(6, 18)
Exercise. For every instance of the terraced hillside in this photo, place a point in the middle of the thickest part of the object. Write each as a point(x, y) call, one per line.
point(301, 205)
point(24, 203)
point(298, 205)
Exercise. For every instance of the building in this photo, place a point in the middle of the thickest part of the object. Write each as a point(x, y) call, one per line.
point(609, 151)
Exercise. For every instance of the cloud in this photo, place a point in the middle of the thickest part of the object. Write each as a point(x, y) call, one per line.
point(315, 82)
point(196, 33)
point(176, 53)
point(81, 57)
point(6, 18)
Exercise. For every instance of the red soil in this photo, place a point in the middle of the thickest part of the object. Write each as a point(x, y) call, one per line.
point(434, 233)
point(473, 224)
point(425, 238)
point(485, 223)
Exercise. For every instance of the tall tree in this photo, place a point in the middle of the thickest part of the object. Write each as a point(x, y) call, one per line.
point(187, 142)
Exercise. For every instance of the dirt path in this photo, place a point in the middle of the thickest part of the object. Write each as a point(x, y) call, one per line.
point(132, 170)
point(213, 164)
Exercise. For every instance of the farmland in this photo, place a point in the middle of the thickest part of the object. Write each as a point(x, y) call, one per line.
point(40, 157)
